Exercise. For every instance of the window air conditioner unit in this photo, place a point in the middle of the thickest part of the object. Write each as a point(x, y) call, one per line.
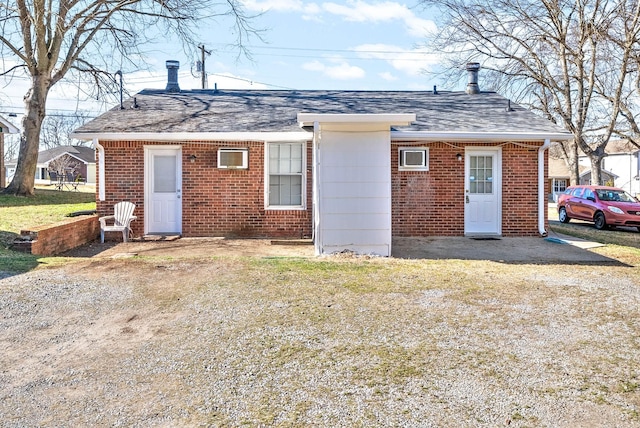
point(233, 158)
point(414, 158)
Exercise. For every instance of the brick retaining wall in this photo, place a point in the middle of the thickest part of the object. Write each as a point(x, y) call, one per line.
point(55, 238)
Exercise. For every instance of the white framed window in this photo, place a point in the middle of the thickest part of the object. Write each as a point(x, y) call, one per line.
point(413, 159)
point(559, 185)
point(285, 181)
point(233, 158)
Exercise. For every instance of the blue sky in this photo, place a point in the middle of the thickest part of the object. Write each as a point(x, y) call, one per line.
point(361, 45)
point(331, 45)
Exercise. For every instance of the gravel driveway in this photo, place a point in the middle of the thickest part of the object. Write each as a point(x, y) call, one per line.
point(340, 341)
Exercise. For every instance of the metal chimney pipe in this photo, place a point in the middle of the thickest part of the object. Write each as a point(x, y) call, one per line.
point(472, 85)
point(119, 74)
point(172, 76)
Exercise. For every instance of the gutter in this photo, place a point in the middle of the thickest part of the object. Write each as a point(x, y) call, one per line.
point(306, 136)
point(101, 183)
point(193, 136)
point(316, 233)
point(542, 200)
point(479, 136)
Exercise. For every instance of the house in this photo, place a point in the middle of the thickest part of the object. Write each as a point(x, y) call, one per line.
point(559, 175)
point(350, 169)
point(6, 127)
point(79, 161)
point(622, 159)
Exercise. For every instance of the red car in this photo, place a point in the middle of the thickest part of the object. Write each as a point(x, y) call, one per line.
point(604, 206)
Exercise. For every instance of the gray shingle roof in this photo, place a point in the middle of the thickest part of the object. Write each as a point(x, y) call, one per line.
point(85, 154)
point(158, 111)
point(617, 147)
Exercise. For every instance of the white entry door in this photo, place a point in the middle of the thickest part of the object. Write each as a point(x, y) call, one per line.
point(163, 190)
point(483, 192)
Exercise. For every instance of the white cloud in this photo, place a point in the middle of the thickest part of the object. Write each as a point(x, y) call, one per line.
point(387, 76)
point(339, 69)
point(419, 27)
point(313, 66)
point(351, 11)
point(361, 11)
point(412, 62)
point(281, 6)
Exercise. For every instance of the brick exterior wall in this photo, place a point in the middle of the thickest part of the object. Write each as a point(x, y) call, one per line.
point(520, 190)
point(215, 202)
point(431, 203)
point(428, 203)
point(221, 202)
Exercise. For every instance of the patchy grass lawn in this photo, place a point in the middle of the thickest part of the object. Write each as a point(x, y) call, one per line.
point(47, 206)
point(625, 236)
point(333, 341)
point(338, 341)
point(623, 244)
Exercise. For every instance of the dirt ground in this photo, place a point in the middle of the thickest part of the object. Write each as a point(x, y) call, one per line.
point(188, 337)
point(554, 249)
point(196, 248)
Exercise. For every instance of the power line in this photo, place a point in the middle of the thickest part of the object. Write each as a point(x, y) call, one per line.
point(248, 80)
point(356, 51)
point(358, 58)
point(55, 112)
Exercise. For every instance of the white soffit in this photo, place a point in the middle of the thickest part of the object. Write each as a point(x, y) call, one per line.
point(195, 136)
point(479, 136)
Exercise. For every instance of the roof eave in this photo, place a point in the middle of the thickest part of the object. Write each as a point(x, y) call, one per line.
point(193, 136)
point(479, 136)
point(86, 162)
point(305, 135)
point(390, 119)
point(11, 128)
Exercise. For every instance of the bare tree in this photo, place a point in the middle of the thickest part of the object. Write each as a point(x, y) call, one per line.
point(49, 39)
point(573, 61)
point(63, 165)
point(11, 145)
point(57, 128)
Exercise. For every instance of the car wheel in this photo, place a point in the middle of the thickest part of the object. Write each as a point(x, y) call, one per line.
point(562, 215)
point(599, 221)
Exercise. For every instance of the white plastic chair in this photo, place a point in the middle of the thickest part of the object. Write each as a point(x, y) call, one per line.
point(122, 218)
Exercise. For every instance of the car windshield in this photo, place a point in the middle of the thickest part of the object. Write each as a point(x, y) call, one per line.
point(614, 195)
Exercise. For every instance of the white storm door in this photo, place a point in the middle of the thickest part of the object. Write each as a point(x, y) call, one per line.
point(483, 187)
point(163, 190)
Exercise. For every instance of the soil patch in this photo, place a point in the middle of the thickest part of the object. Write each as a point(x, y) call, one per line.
point(507, 250)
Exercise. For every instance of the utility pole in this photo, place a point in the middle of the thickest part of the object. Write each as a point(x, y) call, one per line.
point(204, 74)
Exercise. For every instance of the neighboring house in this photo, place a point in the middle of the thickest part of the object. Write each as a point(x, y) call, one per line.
point(79, 160)
point(622, 159)
point(349, 168)
point(559, 176)
point(6, 127)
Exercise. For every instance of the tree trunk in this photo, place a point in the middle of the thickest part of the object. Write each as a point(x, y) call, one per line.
point(35, 110)
point(596, 170)
point(572, 161)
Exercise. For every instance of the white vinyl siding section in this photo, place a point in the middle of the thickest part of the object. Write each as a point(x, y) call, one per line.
point(353, 193)
point(285, 181)
point(626, 167)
